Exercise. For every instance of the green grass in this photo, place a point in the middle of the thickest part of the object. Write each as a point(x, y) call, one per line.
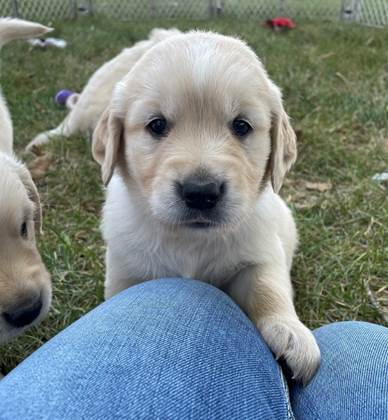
point(334, 79)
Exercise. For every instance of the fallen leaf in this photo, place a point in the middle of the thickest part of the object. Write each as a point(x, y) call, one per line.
point(343, 78)
point(318, 186)
point(327, 55)
point(302, 199)
point(307, 202)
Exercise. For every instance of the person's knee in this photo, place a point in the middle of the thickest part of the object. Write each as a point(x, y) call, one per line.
point(173, 284)
point(172, 297)
point(347, 335)
point(347, 328)
point(179, 291)
point(353, 363)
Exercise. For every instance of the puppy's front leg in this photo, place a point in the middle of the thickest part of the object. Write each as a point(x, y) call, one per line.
point(265, 293)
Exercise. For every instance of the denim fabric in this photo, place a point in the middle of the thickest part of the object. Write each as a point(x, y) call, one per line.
point(165, 349)
point(352, 382)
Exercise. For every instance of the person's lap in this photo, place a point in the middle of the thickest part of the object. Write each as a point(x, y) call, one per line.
point(352, 381)
point(178, 348)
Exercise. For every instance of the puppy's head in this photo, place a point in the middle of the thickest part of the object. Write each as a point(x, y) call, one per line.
point(25, 288)
point(197, 128)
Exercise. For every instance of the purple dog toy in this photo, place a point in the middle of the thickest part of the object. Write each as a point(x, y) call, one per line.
point(62, 96)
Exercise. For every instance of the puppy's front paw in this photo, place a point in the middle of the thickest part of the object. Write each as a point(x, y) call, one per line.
point(36, 143)
point(288, 338)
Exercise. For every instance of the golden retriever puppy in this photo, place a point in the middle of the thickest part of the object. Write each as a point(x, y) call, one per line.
point(87, 107)
point(194, 146)
point(25, 288)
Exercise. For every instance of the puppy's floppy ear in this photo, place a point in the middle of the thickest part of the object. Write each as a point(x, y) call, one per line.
point(33, 194)
point(106, 143)
point(283, 145)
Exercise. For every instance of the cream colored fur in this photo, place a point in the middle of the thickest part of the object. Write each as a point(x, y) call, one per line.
point(11, 29)
point(23, 276)
point(91, 102)
point(200, 82)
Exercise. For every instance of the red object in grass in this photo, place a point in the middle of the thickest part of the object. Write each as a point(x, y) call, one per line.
point(281, 23)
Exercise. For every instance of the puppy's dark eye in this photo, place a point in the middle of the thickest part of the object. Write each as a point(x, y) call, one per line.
point(240, 128)
point(158, 127)
point(24, 230)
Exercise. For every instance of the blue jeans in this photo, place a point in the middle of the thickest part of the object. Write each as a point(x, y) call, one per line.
point(181, 349)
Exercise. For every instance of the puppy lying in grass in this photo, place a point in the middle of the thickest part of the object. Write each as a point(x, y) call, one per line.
point(194, 146)
point(87, 107)
point(25, 288)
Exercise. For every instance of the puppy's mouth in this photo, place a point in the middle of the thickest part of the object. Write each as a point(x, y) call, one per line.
point(203, 220)
point(201, 225)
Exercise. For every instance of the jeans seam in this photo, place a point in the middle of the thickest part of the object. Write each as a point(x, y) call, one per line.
point(290, 414)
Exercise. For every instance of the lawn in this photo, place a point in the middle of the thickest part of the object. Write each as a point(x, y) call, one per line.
point(194, 9)
point(334, 78)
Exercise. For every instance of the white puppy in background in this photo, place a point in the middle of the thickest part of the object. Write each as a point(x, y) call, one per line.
point(194, 147)
point(25, 288)
point(87, 107)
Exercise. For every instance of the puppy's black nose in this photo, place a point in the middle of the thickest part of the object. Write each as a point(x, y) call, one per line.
point(201, 195)
point(20, 317)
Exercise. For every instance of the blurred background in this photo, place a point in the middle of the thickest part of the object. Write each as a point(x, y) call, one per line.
point(368, 12)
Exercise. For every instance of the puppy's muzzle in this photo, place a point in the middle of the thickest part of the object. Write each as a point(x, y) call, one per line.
point(22, 315)
point(201, 194)
point(202, 199)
